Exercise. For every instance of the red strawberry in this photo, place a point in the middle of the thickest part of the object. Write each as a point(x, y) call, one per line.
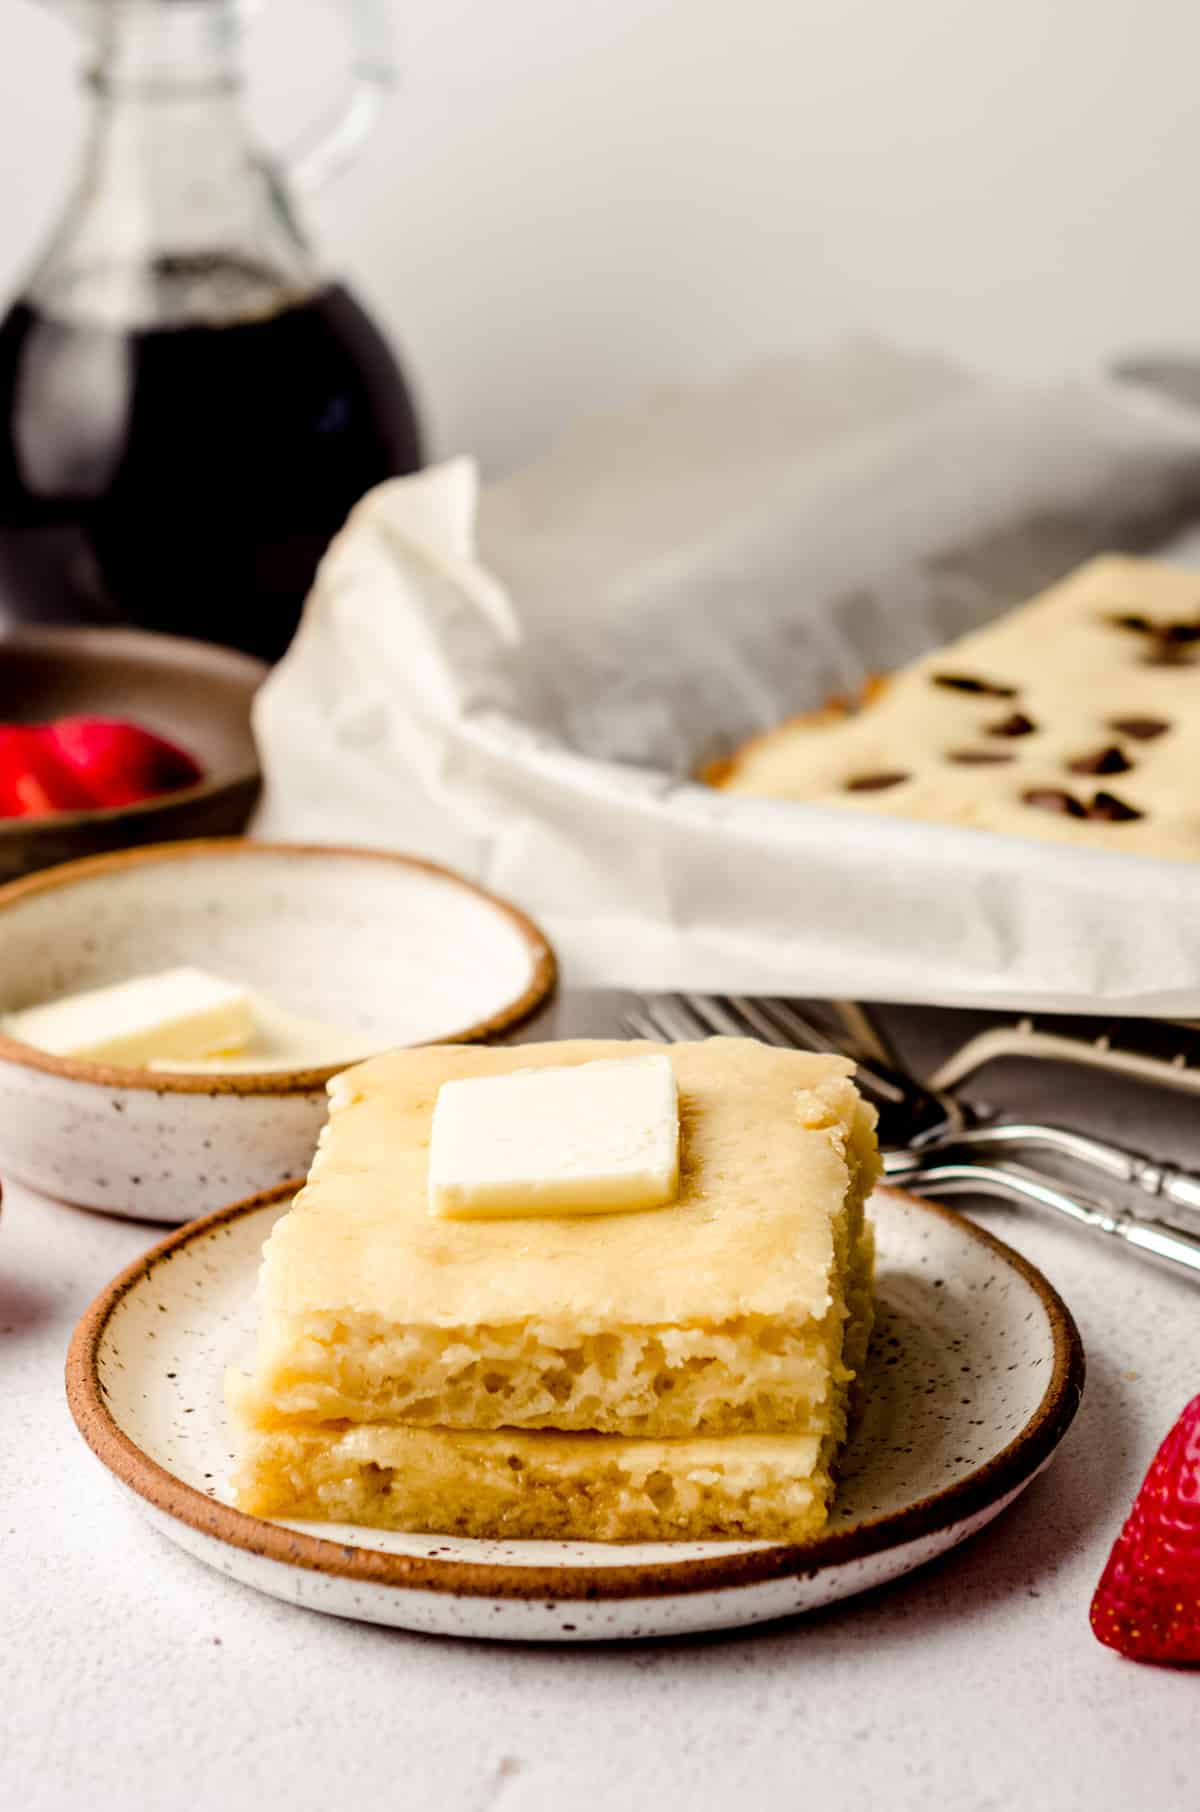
point(33, 779)
point(1147, 1605)
point(119, 763)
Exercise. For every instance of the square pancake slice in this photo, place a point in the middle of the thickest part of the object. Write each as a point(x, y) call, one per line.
point(722, 1313)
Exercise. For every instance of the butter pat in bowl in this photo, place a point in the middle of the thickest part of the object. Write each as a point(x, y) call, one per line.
point(170, 1016)
point(173, 1016)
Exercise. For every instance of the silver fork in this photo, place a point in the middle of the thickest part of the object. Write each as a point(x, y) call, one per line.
point(919, 1124)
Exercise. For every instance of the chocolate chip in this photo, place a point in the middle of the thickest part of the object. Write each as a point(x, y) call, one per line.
point(963, 682)
point(1168, 653)
point(1170, 643)
point(1101, 761)
point(979, 758)
point(873, 783)
point(1142, 729)
point(1107, 805)
point(1130, 619)
point(1170, 640)
point(1016, 725)
point(1053, 799)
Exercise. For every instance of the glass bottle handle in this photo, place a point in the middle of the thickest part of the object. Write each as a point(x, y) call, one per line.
point(333, 142)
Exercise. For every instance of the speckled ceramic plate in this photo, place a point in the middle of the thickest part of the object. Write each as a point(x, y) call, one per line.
point(975, 1373)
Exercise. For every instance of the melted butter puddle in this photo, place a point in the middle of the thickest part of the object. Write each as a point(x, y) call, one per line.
point(283, 1041)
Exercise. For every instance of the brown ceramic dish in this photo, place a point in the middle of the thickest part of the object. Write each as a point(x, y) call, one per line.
point(193, 693)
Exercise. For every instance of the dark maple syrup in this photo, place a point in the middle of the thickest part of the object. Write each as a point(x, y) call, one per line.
point(189, 478)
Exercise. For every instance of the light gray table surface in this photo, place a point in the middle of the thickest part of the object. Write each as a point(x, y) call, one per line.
point(134, 1677)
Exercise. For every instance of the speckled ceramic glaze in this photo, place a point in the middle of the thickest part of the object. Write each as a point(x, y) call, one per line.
point(975, 1373)
point(405, 952)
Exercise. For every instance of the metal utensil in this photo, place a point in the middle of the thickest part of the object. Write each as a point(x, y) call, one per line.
point(917, 1117)
point(1149, 1238)
point(918, 1125)
point(1164, 1052)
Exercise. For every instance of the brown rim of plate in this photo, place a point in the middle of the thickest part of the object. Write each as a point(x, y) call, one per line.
point(1013, 1466)
point(543, 970)
point(49, 641)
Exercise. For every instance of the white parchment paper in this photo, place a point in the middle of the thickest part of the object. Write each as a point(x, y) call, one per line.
point(519, 683)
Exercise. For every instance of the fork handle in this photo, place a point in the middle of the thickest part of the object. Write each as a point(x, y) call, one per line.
point(1152, 1239)
point(1160, 1182)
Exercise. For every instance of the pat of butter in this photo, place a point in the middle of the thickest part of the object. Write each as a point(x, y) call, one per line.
point(175, 1014)
point(589, 1138)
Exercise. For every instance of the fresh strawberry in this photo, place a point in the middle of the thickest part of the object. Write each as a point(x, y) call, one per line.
point(1147, 1605)
point(84, 764)
point(119, 763)
point(34, 781)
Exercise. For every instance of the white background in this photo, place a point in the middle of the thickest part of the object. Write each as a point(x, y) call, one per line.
point(574, 198)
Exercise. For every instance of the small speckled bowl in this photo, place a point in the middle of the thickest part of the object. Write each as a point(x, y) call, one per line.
point(397, 949)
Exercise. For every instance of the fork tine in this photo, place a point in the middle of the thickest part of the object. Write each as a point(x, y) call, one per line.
point(795, 1026)
point(677, 1011)
point(725, 1014)
point(641, 1022)
point(676, 1017)
point(868, 1035)
point(667, 1018)
point(802, 1031)
point(752, 1019)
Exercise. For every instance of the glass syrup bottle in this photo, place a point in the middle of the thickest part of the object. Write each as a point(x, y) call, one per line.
point(189, 407)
